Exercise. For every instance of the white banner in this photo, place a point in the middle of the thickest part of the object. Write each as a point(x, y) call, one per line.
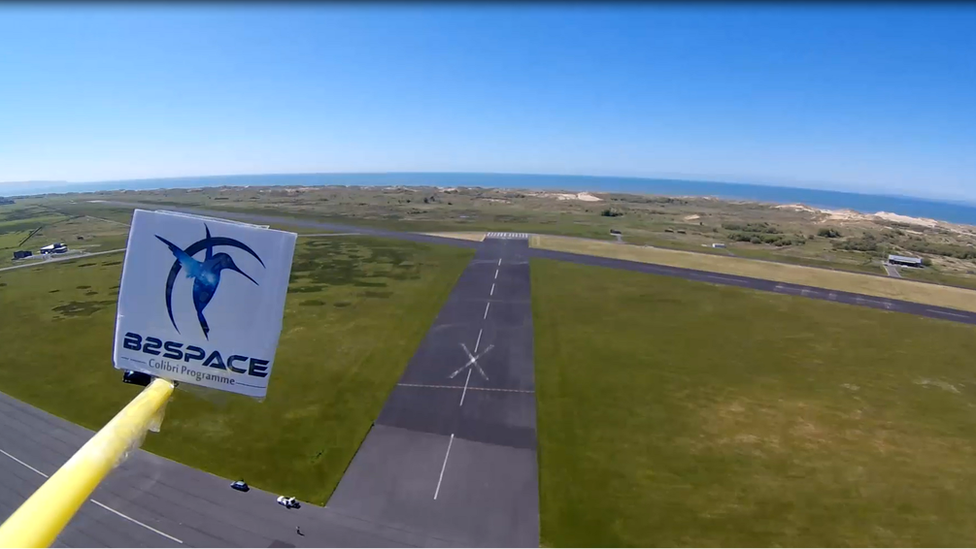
point(201, 300)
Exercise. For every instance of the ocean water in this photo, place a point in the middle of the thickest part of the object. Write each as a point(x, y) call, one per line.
point(916, 207)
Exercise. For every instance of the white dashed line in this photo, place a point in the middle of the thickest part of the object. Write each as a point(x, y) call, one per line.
point(476, 343)
point(100, 504)
point(465, 391)
point(444, 466)
point(499, 262)
point(496, 274)
point(492, 292)
point(938, 312)
point(487, 306)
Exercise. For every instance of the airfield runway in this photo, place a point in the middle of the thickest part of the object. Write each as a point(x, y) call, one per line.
point(452, 455)
point(150, 501)
point(941, 313)
point(450, 461)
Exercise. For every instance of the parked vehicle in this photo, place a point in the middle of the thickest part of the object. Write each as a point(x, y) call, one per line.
point(289, 502)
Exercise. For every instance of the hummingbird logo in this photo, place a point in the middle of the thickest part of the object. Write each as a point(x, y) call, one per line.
point(205, 274)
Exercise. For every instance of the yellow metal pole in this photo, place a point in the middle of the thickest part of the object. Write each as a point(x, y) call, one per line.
point(41, 518)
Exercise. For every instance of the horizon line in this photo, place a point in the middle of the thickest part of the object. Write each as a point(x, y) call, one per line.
point(54, 184)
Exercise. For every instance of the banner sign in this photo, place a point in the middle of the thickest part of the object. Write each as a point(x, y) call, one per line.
point(201, 300)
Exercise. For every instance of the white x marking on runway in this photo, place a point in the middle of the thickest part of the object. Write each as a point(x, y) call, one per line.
point(472, 361)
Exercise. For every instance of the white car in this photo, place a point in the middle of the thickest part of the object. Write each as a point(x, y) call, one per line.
point(288, 502)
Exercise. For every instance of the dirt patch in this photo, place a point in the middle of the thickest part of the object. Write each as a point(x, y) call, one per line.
point(81, 308)
point(944, 385)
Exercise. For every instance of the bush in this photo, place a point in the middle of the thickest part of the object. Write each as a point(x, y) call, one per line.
point(611, 212)
point(926, 262)
point(829, 233)
point(946, 250)
point(866, 243)
point(764, 228)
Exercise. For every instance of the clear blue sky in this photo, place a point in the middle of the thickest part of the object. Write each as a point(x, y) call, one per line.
point(866, 98)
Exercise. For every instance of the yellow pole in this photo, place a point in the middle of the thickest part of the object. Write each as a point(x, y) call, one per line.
point(41, 518)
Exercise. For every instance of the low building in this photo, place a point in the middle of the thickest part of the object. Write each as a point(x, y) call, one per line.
point(718, 245)
point(21, 254)
point(56, 248)
point(904, 260)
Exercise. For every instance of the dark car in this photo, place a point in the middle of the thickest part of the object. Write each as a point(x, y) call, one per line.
point(240, 485)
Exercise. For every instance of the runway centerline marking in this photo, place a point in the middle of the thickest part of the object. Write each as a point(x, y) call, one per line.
point(492, 292)
point(936, 311)
point(496, 274)
point(472, 361)
point(476, 343)
point(444, 466)
point(100, 504)
point(487, 306)
point(499, 262)
point(465, 391)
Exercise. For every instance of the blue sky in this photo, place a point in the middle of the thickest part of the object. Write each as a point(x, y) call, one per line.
point(868, 98)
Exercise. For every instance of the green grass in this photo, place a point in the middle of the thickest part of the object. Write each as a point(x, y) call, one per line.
point(675, 413)
point(356, 311)
point(930, 274)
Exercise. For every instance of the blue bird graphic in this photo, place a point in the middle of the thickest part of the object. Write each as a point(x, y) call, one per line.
point(205, 274)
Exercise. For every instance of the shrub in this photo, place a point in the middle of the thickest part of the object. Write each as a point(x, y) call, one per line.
point(763, 227)
point(829, 233)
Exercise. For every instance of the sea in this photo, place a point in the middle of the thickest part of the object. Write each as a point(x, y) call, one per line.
point(954, 212)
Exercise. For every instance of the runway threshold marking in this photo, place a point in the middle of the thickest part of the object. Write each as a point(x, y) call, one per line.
point(444, 466)
point(425, 386)
point(102, 505)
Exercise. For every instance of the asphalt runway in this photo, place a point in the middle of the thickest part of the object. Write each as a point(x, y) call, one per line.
point(894, 305)
point(941, 313)
point(150, 501)
point(452, 455)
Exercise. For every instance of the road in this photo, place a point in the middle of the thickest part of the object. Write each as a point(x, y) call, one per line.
point(55, 259)
point(894, 305)
point(892, 271)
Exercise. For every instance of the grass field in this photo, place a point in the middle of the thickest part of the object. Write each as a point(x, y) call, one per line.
point(356, 311)
point(879, 286)
point(32, 224)
point(675, 413)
